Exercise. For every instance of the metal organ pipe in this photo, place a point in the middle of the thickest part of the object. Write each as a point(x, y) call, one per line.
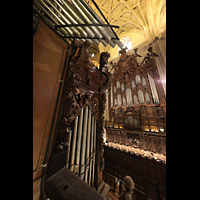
point(89, 19)
point(110, 33)
point(74, 14)
point(69, 31)
point(76, 32)
point(83, 12)
point(74, 144)
point(82, 165)
point(88, 146)
point(153, 89)
point(68, 151)
point(94, 152)
point(105, 31)
point(83, 146)
point(73, 21)
point(91, 151)
point(79, 142)
point(64, 13)
point(62, 31)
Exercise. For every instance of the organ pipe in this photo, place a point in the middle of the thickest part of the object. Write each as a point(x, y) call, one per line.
point(88, 146)
point(94, 152)
point(91, 150)
point(82, 166)
point(70, 134)
point(83, 146)
point(74, 144)
point(79, 142)
point(153, 89)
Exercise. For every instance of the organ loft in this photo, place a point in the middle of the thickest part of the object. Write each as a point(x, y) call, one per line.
point(99, 100)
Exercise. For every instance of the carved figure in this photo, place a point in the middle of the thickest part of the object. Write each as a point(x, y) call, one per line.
point(104, 69)
point(82, 57)
point(136, 54)
point(104, 62)
point(123, 54)
point(127, 188)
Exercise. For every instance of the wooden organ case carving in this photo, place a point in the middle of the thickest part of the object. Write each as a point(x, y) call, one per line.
point(137, 98)
point(136, 126)
point(78, 142)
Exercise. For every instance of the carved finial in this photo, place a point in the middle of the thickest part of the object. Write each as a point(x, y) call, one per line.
point(136, 54)
point(123, 50)
point(150, 50)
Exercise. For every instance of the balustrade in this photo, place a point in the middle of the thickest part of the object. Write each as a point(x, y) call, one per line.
point(150, 145)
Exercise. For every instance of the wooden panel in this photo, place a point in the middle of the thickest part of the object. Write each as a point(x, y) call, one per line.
point(49, 53)
point(152, 193)
point(36, 189)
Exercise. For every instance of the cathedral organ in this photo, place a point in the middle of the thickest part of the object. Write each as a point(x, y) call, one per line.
point(98, 123)
point(136, 96)
point(78, 142)
point(136, 126)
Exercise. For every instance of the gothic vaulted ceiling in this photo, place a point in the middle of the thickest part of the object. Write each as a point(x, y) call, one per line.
point(139, 21)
